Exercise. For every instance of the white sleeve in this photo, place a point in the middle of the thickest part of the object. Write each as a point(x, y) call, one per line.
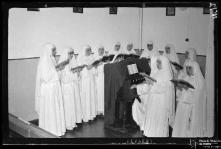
point(143, 89)
point(158, 88)
point(189, 97)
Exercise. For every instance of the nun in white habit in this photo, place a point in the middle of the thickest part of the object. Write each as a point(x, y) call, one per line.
point(171, 54)
point(76, 88)
point(67, 84)
point(190, 56)
point(48, 93)
point(116, 52)
point(190, 120)
point(159, 113)
point(129, 49)
point(139, 108)
point(156, 112)
point(151, 51)
point(100, 82)
point(88, 86)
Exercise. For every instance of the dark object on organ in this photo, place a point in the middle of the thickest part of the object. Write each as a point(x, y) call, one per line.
point(108, 58)
point(146, 59)
point(135, 76)
point(177, 66)
point(125, 56)
point(182, 83)
point(103, 59)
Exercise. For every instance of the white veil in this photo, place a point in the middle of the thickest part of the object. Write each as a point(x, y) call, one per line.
point(45, 70)
point(165, 75)
point(172, 56)
point(191, 57)
point(198, 124)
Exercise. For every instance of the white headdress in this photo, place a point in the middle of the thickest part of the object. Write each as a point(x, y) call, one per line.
point(198, 123)
point(173, 55)
point(45, 69)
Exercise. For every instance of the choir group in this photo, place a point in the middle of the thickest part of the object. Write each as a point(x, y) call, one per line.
point(71, 91)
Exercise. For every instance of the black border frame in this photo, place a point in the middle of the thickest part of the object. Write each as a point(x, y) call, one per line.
point(190, 142)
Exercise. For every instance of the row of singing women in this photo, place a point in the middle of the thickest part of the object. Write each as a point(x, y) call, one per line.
point(164, 105)
point(64, 98)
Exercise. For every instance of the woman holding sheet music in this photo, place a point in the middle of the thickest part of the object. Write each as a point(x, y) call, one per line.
point(159, 112)
point(190, 115)
point(48, 93)
point(68, 90)
point(88, 86)
point(157, 106)
point(100, 82)
point(76, 88)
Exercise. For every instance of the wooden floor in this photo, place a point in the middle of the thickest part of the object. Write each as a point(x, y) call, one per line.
point(96, 129)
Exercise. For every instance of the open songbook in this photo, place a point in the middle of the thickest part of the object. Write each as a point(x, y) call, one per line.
point(78, 68)
point(177, 66)
point(62, 64)
point(135, 76)
point(182, 83)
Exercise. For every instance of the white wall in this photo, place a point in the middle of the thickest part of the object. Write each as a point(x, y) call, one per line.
point(164, 29)
point(28, 31)
point(21, 88)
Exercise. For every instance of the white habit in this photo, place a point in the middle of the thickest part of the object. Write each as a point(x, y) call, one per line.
point(190, 120)
point(48, 94)
point(88, 90)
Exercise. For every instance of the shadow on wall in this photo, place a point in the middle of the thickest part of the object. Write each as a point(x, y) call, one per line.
point(21, 85)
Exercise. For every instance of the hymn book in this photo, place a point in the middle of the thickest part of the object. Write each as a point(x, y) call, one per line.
point(78, 68)
point(177, 66)
point(182, 83)
point(62, 64)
